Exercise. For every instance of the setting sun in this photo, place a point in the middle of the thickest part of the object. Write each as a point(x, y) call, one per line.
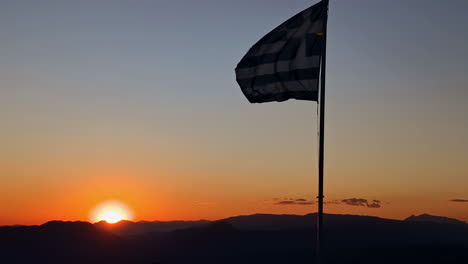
point(111, 212)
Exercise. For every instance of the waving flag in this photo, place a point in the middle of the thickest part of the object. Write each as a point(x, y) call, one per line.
point(285, 64)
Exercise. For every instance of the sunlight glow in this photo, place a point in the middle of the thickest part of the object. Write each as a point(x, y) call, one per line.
point(111, 212)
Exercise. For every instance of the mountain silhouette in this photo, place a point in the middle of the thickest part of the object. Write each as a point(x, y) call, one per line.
point(435, 219)
point(265, 222)
point(259, 238)
point(57, 241)
point(125, 227)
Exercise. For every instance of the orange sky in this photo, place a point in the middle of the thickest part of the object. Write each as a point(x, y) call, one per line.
point(207, 195)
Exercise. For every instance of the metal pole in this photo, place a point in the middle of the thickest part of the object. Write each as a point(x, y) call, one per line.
point(321, 139)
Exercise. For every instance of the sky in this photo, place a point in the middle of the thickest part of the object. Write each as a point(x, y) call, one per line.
point(136, 101)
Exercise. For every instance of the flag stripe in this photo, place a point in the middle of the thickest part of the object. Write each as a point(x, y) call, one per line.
point(287, 55)
point(274, 36)
point(266, 49)
point(302, 85)
point(283, 96)
point(294, 75)
point(280, 66)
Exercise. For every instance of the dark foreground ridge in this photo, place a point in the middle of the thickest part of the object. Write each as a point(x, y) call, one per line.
point(257, 238)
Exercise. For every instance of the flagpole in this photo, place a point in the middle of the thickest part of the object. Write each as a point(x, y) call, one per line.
point(319, 242)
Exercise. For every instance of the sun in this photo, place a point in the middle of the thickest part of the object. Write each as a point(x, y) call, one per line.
point(111, 212)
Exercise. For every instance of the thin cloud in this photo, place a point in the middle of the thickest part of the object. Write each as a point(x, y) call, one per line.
point(373, 205)
point(459, 200)
point(355, 201)
point(362, 202)
point(292, 201)
point(285, 202)
point(351, 202)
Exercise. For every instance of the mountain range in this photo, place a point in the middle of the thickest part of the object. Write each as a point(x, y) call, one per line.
point(259, 238)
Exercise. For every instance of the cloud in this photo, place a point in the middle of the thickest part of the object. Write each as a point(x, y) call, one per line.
point(459, 200)
point(285, 202)
point(373, 205)
point(362, 202)
point(292, 201)
point(355, 201)
point(351, 201)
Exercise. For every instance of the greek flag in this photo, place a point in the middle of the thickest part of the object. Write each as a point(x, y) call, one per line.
point(285, 64)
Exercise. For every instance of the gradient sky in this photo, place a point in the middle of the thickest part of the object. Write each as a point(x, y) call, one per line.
point(137, 101)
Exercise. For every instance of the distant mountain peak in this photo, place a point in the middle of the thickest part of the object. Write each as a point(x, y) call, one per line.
point(66, 224)
point(434, 219)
